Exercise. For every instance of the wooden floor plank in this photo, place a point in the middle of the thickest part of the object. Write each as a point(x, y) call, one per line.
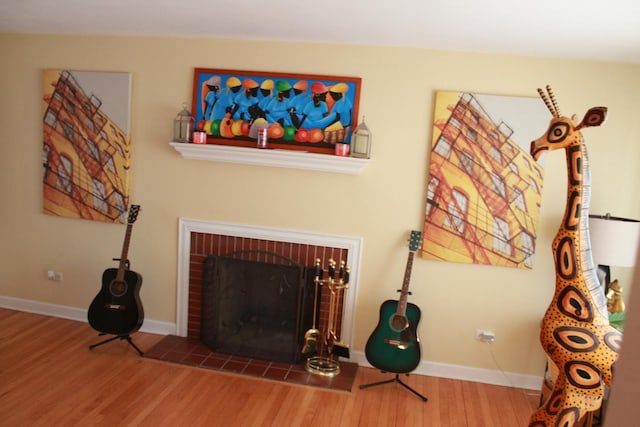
point(49, 376)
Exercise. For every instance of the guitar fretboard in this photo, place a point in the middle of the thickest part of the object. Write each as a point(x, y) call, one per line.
point(124, 254)
point(404, 292)
point(133, 215)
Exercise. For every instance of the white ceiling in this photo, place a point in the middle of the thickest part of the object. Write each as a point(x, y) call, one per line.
point(601, 30)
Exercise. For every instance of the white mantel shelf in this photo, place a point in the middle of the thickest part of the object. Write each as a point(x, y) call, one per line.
point(275, 158)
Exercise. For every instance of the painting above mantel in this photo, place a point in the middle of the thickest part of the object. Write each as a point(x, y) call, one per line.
point(299, 112)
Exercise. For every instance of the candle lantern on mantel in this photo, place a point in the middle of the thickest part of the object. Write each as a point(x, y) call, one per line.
point(183, 125)
point(361, 141)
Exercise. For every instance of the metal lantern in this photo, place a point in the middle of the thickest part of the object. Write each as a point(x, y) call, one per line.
point(183, 125)
point(361, 141)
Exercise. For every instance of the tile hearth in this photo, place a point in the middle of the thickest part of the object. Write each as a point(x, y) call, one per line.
point(192, 352)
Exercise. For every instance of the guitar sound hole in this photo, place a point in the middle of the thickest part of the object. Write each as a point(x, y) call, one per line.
point(398, 323)
point(118, 288)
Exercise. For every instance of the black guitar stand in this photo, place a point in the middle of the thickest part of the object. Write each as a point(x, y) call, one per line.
point(126, 337)
point(396, 379)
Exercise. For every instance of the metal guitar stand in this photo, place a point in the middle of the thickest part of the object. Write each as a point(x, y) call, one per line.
point(396, 379)
point(126, 337)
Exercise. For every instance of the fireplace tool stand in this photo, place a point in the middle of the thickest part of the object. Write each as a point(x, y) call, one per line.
point(126, 337)
point(326, 362)
point(396, 379)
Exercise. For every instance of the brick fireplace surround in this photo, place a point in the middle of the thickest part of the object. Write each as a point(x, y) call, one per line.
point(197, 240)
point(205, 244)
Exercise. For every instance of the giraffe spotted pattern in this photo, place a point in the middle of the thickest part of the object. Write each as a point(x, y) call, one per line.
point(575, 333)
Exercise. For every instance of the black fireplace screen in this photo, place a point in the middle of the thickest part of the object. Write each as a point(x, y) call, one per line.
point(256, 309)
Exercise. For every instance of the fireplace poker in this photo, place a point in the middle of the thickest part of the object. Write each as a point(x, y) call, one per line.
point(310, 346)
point(339, 348)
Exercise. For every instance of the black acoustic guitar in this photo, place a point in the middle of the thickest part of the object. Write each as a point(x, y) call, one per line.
point(117, 309)
point(394, 345)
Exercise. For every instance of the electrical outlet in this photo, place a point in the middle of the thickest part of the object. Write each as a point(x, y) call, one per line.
point(55, 276)
point(485, 336)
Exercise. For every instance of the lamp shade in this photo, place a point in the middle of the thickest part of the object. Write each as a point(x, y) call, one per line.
point(614, 241)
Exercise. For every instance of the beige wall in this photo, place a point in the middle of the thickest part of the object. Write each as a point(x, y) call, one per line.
point(381, 204)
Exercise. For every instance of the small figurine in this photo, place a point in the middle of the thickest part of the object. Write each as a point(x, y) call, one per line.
point(615, 303)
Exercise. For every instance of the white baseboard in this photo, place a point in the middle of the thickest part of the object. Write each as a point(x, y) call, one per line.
point(78, 314)
point(466, 373)
point(434, 369)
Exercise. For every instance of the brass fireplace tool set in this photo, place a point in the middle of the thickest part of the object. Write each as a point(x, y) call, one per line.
point(325, 349)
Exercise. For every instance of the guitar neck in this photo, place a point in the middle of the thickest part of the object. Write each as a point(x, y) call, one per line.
point(124, 254)
point(404, 292)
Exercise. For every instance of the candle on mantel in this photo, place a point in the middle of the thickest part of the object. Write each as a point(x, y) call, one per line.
point(199, 137)
point(342, 149)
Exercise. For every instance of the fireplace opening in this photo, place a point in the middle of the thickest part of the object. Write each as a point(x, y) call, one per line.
point(256, 304)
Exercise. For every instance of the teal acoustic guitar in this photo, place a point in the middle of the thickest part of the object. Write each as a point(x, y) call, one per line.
point(394, 345)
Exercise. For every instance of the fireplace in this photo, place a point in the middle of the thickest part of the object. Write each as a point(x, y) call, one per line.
point(204, 241)
point(255, 308)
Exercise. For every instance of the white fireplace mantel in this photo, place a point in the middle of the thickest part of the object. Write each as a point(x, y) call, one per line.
point(275, 158)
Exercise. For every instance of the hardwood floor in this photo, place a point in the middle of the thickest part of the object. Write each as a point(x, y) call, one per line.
point(49, 377)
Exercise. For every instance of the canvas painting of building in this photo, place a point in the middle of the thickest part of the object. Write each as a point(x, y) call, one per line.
point(86, 144)
point(484, 189)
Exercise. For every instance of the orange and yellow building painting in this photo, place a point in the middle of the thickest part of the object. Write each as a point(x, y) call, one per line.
point(86, 154)
point(484, 190)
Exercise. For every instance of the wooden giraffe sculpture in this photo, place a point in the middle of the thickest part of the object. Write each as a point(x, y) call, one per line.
point(575, 333)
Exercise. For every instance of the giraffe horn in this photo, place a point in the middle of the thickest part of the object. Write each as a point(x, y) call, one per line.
point(553, 101)
point(546, 101)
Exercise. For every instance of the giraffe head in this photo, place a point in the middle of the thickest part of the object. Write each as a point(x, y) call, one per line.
point(564, 131)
